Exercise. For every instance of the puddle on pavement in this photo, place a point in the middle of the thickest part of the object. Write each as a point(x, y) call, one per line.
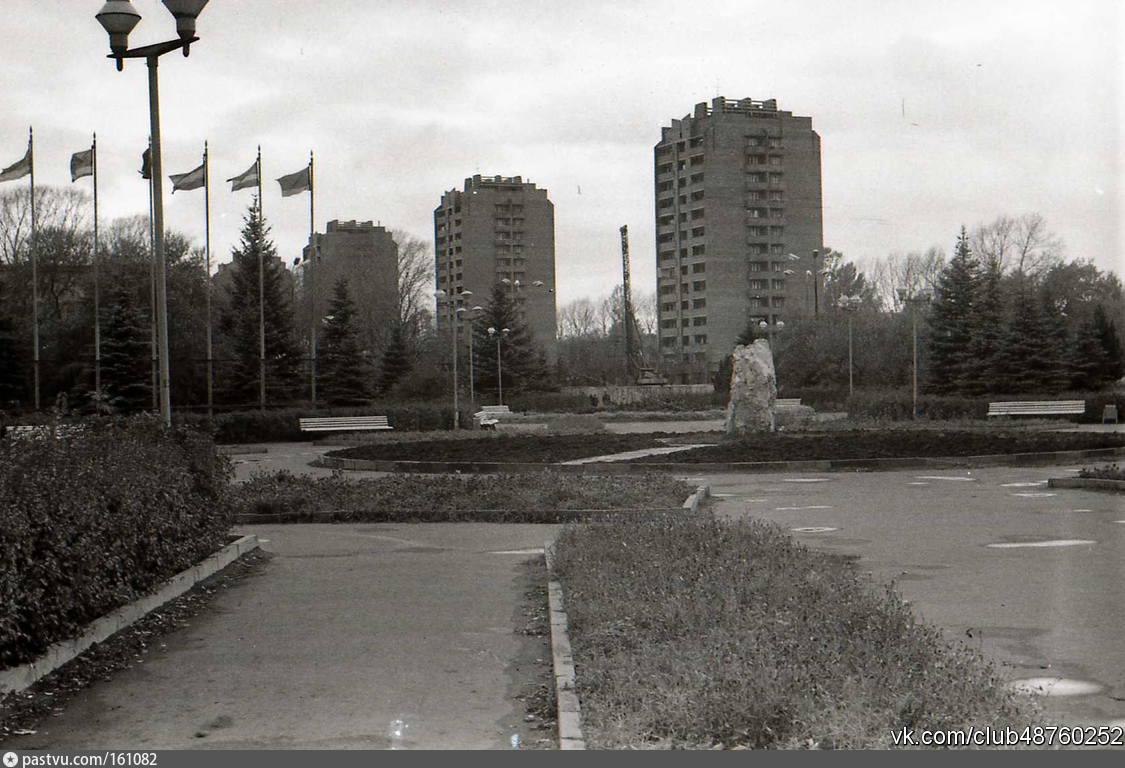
point(419, 550)
point(530, 551)
point(1055, 686)
point(1041, 543)
point(798, 509)
point(814, 529)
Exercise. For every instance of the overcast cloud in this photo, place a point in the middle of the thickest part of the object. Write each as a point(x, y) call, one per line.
point(1010, 107)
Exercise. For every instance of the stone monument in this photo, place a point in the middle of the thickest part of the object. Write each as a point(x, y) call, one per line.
point(753, 390)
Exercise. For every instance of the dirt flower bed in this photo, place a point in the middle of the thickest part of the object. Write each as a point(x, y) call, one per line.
point(538, 449)
point(887, 444)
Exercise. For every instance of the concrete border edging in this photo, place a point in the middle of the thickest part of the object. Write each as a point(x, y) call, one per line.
point(692, 503)
point(562, 662)
point(1088, 484)
point(24, 676)
point(622, 468)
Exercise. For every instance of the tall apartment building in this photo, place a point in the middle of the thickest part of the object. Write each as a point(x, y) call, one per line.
point(498, 228)
point(738, 217)
point(365, 254)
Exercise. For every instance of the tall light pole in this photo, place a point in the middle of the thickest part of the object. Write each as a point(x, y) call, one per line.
point(499, 367)
point(448, 297)
point(118, 17)
point(914, 299)
point(850, 304)
point(472, 314)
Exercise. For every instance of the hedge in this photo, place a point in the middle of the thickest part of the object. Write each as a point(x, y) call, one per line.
point(89, 523)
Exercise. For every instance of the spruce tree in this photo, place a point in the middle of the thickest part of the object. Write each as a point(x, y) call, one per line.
point(1029, 362)
point(987, 334)
point(518, 356)
point(396, 360)
point(951, 367)
point(13, 383)
point(1086, 361)
point(126, 353)
point(1113, 359)
point(240, 318)
point(343, 373)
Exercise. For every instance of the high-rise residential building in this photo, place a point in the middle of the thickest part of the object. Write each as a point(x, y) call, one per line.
point(738, 219)
point(497, 229)
point(367, 255)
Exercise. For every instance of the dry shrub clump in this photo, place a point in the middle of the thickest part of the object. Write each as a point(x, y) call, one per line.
point(89, 522)
point(691, 632)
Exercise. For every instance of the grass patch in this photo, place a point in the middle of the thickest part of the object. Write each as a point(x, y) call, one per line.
point(691, 632)
point(547, 498)
point(1108, 472)
point(840, 444)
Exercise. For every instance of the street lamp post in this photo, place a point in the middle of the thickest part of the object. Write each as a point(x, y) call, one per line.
point(850, 304)
point(768, 329)
point(472, 315)
point(499, 367)
point(118, 17)
point(441, 294)
point(913, 300)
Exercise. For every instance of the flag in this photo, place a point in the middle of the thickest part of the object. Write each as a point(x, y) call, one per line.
point(81, 164)
point(188, 181)
point(248, 179)
point(18, 170)
point(295, 183)
point(146, 164)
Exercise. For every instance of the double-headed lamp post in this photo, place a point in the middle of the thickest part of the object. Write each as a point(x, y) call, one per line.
point(471, 314)
point(768, 329)
point(492, 332)
point(452, 304)
point(913, 299)
point(850, 304)
point(118, 17)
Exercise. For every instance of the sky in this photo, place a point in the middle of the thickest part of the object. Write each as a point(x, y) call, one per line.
point(931, 115)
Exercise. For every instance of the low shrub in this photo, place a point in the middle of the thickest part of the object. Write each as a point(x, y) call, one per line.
point(1108, 472)
point(552, 497)
point(90, 522)
point(689, 632)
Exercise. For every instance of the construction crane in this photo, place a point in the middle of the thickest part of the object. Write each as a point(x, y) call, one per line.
point(635, 368)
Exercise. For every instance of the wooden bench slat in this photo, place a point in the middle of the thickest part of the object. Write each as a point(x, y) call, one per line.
point(343, 423)
point(1037, 408)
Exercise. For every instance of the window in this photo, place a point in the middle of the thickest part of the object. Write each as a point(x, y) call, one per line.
point(686, 322)
point(680, 165)
point(754, 195)
point(697, 231)
point(697, 178)
point(777, 266)
point(683, 217)
point(699, 304)
point(668, 341)
point(777, 231)
point(775, 142)
point(697, 321)
point(671, 323)
point(697, 195)
point(698, 250)
point(683, 253)
point(684, 304)
point(667, 237)
point(698, 159)
point(665, 203)
point(667, 255)
point(699, 285)
point(665, 168)
point(699, 267)
point(778, 302)
point(776, 195)
point(753, 141)
point(682, 182)
point(778, 285)
point(757, 249)
point(777, 249)
point(517, 248)
point(754, 213)
point(668, 307)
point(756, 160)
point(755, 178)
point(664, 186)
point(757, 266)
point(696, 142)
point(665, 220)
point(755, 302)
point(701, 338)
point(777, 213)
point(696, 213)
point(775, 159)
point(683, 199)
point(759, 285)
point(666, 289)
point(683, 288)
point(683, 269)
point(687, 340)
point(775, 178)
point(758, 231)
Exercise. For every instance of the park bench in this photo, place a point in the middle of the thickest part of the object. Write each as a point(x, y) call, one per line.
point(1038, 408)
point(787, 402)
point(344, 423)
point(489, 415)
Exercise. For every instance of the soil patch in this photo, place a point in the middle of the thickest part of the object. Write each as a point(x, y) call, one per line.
point(892, 444)
point(537, 449)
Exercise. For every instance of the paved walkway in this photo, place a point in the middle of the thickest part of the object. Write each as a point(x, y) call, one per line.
point(353, 636)
point(639, 454)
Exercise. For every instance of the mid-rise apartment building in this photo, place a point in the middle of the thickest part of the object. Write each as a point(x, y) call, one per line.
point(497, 229)
point(738, 218)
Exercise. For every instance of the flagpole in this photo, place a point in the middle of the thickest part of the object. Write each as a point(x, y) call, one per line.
point(261, 293)
point(312, 280)
point(97, 298)
point(34, 270)
point(207, 252)
point(152, 284)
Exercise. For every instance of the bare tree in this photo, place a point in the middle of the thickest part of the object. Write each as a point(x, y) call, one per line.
point(415, 279)
point(61, 208)
point(578, 319)
point(1023, 246)
point(915, 271)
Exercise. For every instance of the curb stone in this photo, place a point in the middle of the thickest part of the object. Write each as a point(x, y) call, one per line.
point(24, 676)
point(562, 660)
point(615, 468)
point(562, 656)
point(1088, 484)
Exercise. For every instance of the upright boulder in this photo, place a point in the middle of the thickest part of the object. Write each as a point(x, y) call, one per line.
point(753, 390)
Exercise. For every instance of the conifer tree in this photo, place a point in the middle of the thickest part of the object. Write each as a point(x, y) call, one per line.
point(240, 318)
point(951, 367)
point(396, 360)
point(343, 372)
point(13, 386)
point(1086, 361)
point(1113, 359)
point(987, 333)
point(1029, 362)
point(518, 357)
point(126, 353)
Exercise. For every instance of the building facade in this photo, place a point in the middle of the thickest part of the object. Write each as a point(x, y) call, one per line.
point(367, 256)
point(497, 229)
point(738, 219)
